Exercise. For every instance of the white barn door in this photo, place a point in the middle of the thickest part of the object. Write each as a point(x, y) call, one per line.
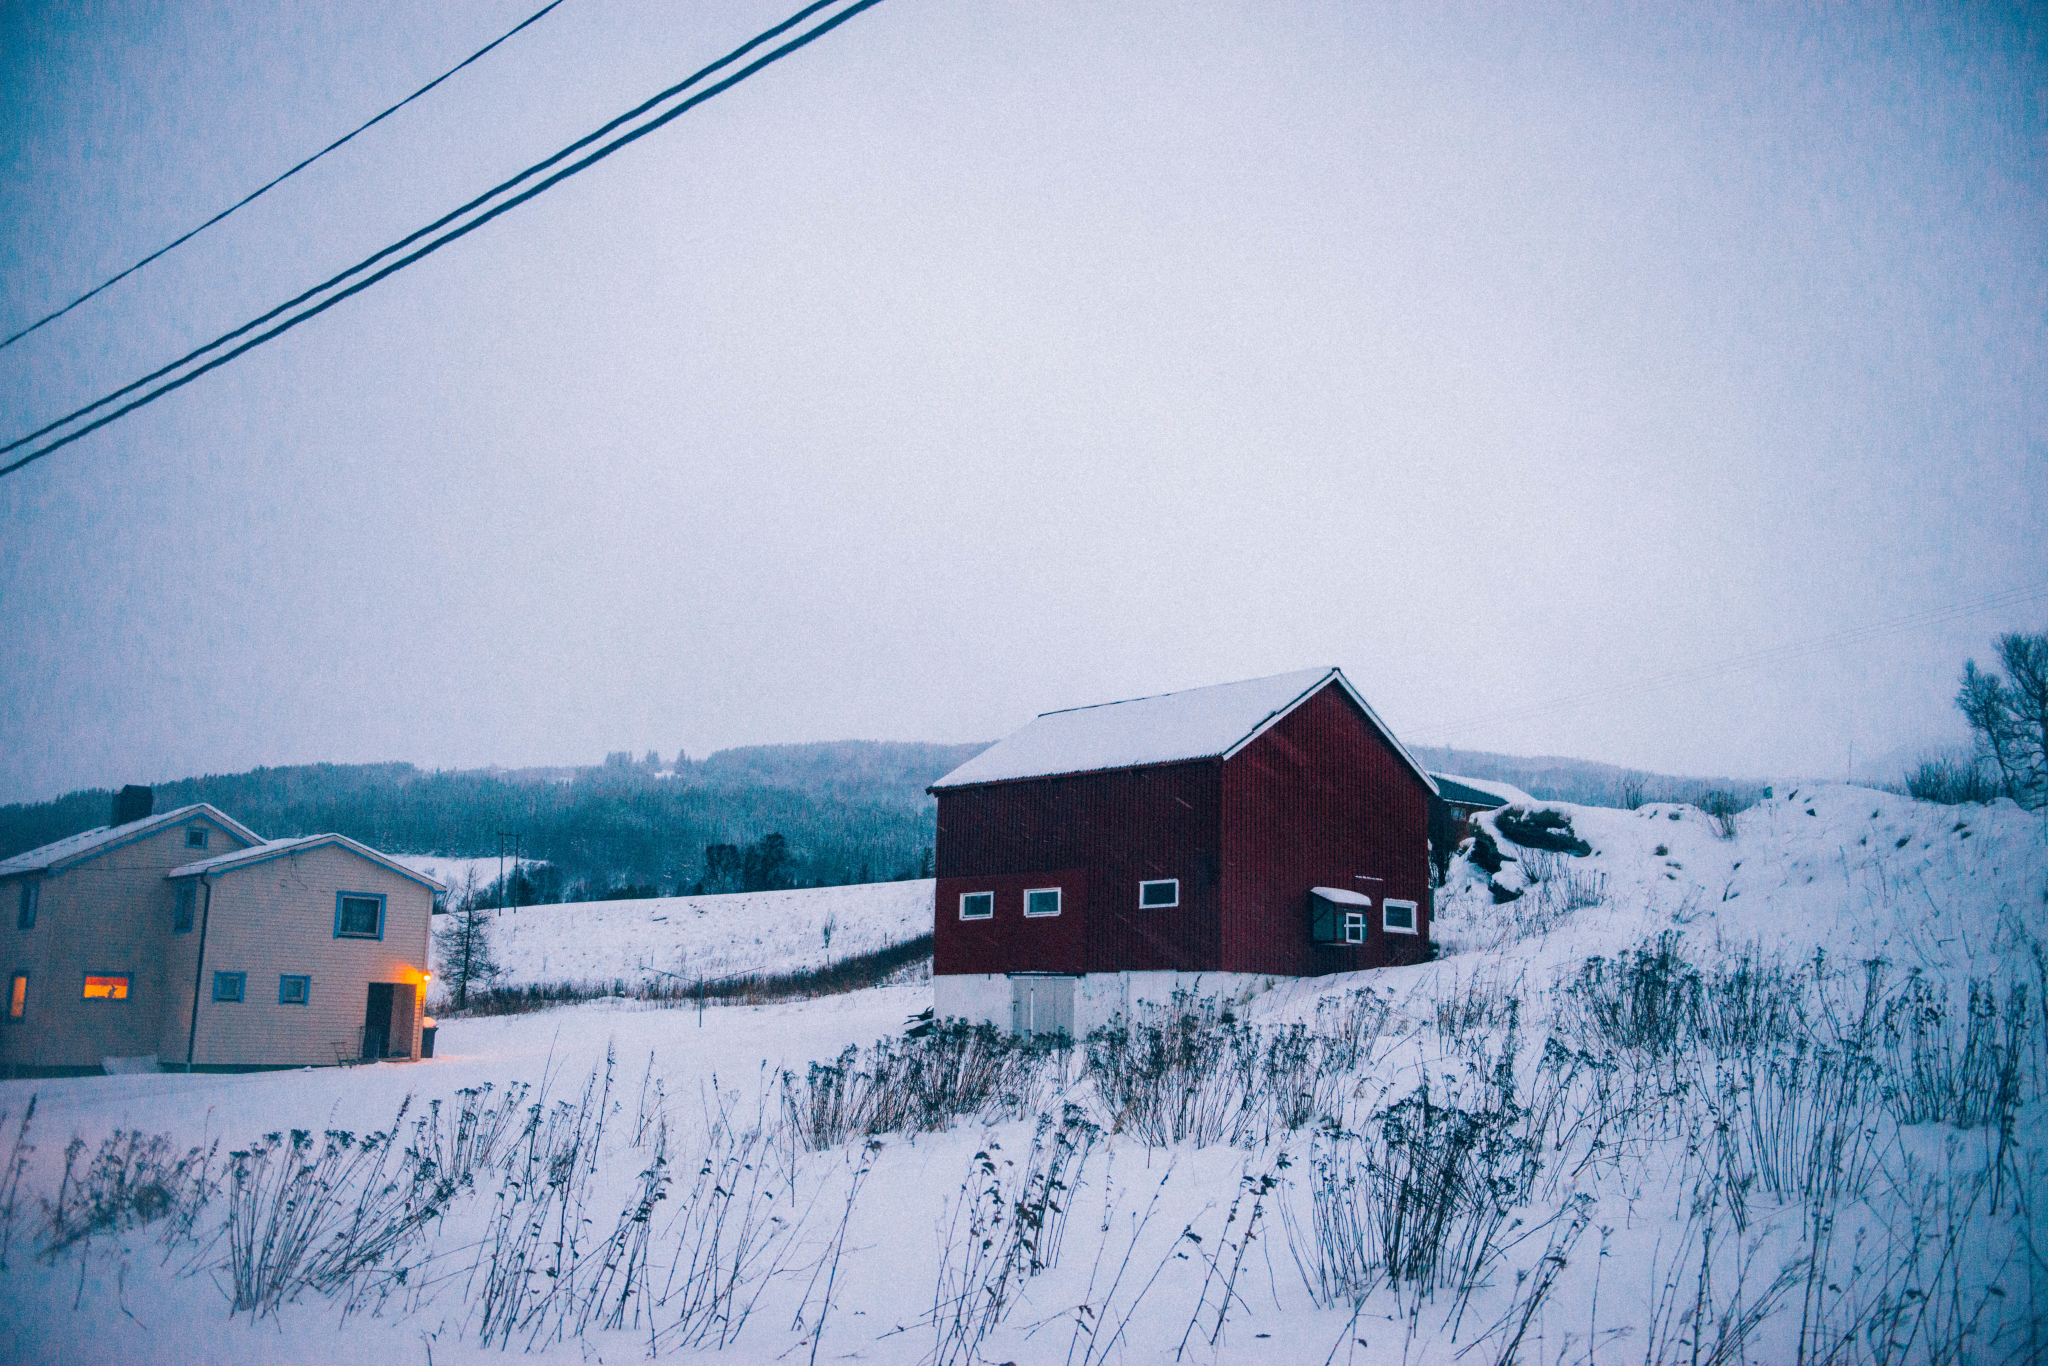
point(1042, 1005)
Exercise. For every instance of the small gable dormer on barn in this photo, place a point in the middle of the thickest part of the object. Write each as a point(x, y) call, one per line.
point(1208, 841)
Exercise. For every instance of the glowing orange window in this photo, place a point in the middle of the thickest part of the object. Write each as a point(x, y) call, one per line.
point(17, 996)
point(106, 988)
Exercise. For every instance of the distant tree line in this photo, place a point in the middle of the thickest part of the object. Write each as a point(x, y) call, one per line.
point(625, 827)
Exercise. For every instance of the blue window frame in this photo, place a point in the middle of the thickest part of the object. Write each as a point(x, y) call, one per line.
point(358, 915)
point(294, 990)
point(181, 915)
point(230, 986)
point(195, 837)
point(31, 894)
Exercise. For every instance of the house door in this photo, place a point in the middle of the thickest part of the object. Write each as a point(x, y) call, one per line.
point(1042, 1005)
point(387, 1021)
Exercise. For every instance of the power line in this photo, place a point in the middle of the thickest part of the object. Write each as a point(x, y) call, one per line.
point(1775, 654)
point(264, 189)
point(465, 220)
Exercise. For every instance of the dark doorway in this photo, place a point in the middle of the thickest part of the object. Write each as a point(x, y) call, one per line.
point(377, 1022)
point(387, 1021)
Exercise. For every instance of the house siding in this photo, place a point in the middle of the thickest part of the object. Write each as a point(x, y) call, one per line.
point(277, 917)
point(1109, 831)
point(1320, 800)
point(108, 913)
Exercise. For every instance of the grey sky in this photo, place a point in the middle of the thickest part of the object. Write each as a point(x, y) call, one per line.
point(989, 358)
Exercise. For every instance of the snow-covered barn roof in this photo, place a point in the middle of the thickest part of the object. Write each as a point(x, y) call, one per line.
point(1492, 792)
point(271, 849)
point(72, 849)
point(1197, 723)
point(1467, 792)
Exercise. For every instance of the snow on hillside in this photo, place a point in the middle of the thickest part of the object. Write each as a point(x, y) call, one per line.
point(1852, 872)
point(692, 938)
point(1653, 1107)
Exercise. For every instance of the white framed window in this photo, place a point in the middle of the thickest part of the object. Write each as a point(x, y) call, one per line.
point(1354, 927)
point(1042, 901)
point(1398, 917)
point(1159, 893)
point(977, 905)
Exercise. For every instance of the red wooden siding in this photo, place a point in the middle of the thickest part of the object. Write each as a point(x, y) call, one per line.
point(1055, 943)
point(1320, 800)
point(1123, 826)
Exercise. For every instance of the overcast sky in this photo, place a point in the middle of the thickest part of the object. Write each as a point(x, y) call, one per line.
point(989, 358)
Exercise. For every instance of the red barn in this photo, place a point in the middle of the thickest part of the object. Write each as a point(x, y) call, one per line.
point(1210, 841)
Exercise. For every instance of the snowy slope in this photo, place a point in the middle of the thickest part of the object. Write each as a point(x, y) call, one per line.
point(594, 943)
point(1602, 1258)
point(1856, 873)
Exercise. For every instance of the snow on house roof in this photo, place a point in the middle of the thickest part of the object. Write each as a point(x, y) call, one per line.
point(270, 849)
point(72, 849)
point(1197, 723)
point(1343, 896)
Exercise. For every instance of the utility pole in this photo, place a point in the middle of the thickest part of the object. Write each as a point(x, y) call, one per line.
point(503, 835)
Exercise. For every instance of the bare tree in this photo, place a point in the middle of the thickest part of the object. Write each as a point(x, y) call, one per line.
point(465, 941)
point(2010, 716)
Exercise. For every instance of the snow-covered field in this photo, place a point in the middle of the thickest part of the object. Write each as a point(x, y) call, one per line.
point(1729, 1139)
point(692, 938)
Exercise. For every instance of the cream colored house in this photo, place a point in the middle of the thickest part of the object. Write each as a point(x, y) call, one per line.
point(185, 940)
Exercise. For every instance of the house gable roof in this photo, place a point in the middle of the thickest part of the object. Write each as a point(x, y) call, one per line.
point(1197, 723)
point(270, 849)
point(61, 854)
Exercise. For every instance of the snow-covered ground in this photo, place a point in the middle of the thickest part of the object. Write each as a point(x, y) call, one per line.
point(692, 938)
point(1685, 1202)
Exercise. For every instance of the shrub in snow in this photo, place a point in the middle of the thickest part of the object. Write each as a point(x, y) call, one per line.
point(951, 1071)
point(1484, 853)
point(132, 1181)
point(1548, 829)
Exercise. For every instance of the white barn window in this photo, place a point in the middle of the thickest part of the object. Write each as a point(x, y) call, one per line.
point(977, 905)
point(1041, 901)
point(1159, 893)
point(1399, 916)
